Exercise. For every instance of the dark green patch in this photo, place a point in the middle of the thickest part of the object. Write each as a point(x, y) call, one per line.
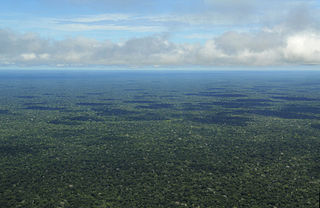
point(113, 138)
point(257, 100)
point(16, 149)
point(139, 101)
point(134, 90)
point(220, 118)
point(147, 117)
point(282, 114)
point(225, 95)
point(168, 96)
point(74, 120)
point(27, 97)
point(66, 133)
point(301, 109)
point(83, 118)
point(35, 103)
point(217, 94)
point(191, 94)
point(216, 88)
point(276, 93)
point(144, 96)
point(44, 108)
point(93, 104)
point(112, 111)
point(232, 104)
point(156, 106)
point(107, 99)
point(4, 112)
point(95, 93)
point(287, 98)
point(195, 107)
point(316, 126)
point(209, 94)
point(64, 122)
point(216, 169)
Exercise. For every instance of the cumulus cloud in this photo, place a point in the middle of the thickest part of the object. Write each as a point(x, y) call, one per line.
point(241, 49)
point(303, 47)
point(231, 48)
point(294, 41)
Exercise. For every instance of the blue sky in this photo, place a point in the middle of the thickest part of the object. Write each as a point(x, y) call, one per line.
point(166, 33)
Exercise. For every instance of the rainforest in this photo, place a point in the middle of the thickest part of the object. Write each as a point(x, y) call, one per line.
point(84, 138)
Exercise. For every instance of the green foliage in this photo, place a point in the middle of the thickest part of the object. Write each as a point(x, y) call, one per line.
point(176, 141)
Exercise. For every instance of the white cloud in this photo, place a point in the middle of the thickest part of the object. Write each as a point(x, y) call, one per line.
point(293, 41)
point(85, 27)
point(232, 48)
point(99, 18)
point(303, 47)
point(226, 14)
point(28, 56)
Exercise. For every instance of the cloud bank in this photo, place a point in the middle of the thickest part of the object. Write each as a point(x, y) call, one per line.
point(269, 47)
point(295, 40)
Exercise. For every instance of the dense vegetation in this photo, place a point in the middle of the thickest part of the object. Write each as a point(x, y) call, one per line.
point(159, 139)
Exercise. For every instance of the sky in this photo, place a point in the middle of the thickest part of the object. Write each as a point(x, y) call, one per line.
point(159, 33)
